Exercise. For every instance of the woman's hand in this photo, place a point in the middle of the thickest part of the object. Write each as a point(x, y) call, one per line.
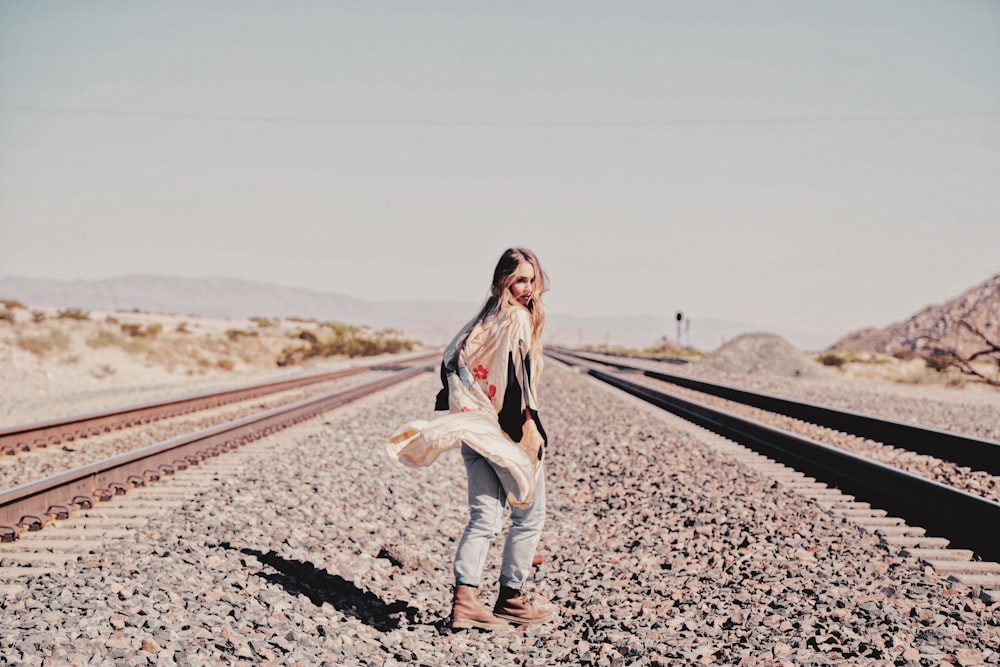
point(532, 440)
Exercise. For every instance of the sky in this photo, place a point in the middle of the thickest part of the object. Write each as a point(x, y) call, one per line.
point(812, 166)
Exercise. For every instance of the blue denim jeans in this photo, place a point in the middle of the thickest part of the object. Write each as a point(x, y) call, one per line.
point(487, 501)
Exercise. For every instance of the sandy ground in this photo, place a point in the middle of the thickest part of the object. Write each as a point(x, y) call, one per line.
point(60, 366)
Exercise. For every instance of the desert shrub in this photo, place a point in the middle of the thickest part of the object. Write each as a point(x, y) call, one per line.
point(7, 315)
point(139, 331)
point(72, 314)
point(308, 336)
point(236, 334)
point(341, 329)
point(103, 371)
point(263, 321)
point(111, 319)
point(55, 339)
point(938, 362)
point(11, 304)
point(346, 341)
point(137, 345)
point(133, 343)
point(226, 364)
point(396, 345)
point(182, 328)
point(104, 338)
point(37, 316)
point(831, 359)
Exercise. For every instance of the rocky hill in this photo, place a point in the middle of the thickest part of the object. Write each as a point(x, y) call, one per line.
point(938, 326)
point(761, 353)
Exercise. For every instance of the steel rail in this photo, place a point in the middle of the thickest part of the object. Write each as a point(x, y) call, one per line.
point(32, 505)
point(967, 520)
point(23, 437)
point(963, 450)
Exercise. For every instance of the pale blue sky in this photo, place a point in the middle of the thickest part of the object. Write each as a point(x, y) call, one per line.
point(813, 166)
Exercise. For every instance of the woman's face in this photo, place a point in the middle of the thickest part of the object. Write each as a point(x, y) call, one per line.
point(524, 283)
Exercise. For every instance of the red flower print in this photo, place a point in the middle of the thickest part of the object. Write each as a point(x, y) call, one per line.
point(493, 391)
point(465, 409)
point(480, 372)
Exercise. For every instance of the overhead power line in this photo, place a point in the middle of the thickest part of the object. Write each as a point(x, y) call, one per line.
point(568, 123)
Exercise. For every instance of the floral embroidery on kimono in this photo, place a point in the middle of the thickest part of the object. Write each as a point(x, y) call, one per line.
point(490, 376)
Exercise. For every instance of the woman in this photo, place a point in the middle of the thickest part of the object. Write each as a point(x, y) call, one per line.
point(490, 371)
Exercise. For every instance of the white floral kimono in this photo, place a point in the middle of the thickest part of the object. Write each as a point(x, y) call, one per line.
point(490, 381)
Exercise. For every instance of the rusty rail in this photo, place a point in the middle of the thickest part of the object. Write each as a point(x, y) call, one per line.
point(963, 450)
point(33, 505)
point(966, 519)
point(24, 437)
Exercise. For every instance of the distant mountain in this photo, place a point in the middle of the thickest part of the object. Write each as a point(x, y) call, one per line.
point(433, 323)
point(938, 326)
point(236, 298)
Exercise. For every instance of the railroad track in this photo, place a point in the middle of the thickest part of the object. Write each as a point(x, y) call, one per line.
point(975, 453)
point(25, 437)
point(967, 522)
point(93, 492)
point(32, 506)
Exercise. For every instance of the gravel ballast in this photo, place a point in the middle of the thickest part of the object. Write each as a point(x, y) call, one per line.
point(318, 549)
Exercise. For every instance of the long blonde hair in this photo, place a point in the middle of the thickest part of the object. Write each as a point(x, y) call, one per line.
point(500, 294)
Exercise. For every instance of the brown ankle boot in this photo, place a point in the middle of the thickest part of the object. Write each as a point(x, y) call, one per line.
point(468, 611)
point(518, 607)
